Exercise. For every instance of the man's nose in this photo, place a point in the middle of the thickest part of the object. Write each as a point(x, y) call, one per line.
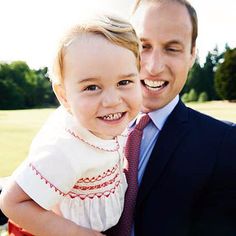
point(155, 63)
point(111, 97)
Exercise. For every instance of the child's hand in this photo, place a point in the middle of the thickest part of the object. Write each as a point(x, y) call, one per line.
point(89, 232)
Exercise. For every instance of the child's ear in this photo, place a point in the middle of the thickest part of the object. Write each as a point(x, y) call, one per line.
point(60, 93)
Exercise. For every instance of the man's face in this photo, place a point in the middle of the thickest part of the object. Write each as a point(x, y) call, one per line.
point(165, 31)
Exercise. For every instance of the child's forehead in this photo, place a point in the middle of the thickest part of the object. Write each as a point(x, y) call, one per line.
point(90, 56)
point(84, 40)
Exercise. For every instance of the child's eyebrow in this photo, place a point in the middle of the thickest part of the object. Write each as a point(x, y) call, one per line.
point(146, 40)
point(86, 80)
point(94, 79)
point(143, 39)
point(128, 75)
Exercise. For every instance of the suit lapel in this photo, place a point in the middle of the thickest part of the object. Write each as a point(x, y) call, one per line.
point(170, 136)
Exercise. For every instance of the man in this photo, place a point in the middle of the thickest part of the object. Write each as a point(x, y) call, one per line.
point(187, 168)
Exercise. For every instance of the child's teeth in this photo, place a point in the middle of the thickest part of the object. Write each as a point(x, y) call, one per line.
point(114, 116)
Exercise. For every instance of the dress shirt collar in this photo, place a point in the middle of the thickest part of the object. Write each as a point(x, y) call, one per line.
point(159, 116)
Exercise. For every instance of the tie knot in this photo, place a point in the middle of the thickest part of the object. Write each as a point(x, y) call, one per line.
point(143, 122)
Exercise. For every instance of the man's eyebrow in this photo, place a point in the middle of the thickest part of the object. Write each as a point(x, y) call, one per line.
point(175, 41)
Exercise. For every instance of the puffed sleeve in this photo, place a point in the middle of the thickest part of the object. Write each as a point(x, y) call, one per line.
point(47, 175)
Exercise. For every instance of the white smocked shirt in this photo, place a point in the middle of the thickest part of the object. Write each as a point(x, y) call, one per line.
point(74, 173)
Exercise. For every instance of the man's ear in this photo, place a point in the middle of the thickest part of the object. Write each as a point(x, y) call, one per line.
point(60, 93)
point(193, 57)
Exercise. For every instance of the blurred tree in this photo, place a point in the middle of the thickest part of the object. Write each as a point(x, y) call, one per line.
point(43, 89)
point(10, 93)
point(212, 60)
point(21, 87)
point(225, 76)
point(203, 97)
point(20, 75)
point(184, 98)
point(195, 79)
point(192, 96)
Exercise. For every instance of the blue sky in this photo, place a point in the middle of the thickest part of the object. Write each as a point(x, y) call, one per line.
point(31, 28)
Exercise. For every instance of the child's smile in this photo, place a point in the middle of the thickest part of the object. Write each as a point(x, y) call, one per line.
point(113, 117)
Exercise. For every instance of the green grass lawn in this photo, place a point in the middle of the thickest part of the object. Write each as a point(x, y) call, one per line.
point(18, 127)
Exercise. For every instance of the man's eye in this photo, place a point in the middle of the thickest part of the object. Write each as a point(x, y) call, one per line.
point(124, 82)
point(173, 49)
point(91, 88)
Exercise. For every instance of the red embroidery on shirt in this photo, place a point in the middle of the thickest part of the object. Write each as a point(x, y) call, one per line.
point(72, 194)
point(46, 181)
point(102, 185)
point(106, 193)
point(99, 177)
point(92, 145)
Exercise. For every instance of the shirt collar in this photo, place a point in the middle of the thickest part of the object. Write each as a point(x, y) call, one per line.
point(159, 116)
point(79, 132)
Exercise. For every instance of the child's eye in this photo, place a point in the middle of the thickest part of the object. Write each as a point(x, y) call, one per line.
point(91, 88)
point(146, 46)
point(124, 82)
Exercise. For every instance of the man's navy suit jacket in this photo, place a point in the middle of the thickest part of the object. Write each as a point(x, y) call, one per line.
point(189, 185)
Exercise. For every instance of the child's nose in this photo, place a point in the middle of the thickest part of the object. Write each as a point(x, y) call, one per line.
point(111, 97)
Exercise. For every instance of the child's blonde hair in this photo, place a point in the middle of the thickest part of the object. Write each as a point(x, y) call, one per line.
point(114, 29)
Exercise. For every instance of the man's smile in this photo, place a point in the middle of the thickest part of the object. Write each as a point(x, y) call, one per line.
point(154, 85)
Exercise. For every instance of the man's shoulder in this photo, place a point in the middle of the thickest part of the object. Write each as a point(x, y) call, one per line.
point(209, 120)
point(197, 119)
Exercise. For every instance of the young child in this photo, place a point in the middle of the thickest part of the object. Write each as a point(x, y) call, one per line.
point(73, 182)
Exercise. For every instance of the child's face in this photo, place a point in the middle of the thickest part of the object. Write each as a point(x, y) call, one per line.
point(101, 86)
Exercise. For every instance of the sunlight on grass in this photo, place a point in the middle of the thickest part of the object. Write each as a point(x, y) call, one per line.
point(221, 110)
point(17, 128)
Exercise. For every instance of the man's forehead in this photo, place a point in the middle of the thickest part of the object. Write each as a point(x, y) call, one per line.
point(162, 15)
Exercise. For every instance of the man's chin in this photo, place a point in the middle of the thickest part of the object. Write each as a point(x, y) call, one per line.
point(152, 104)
